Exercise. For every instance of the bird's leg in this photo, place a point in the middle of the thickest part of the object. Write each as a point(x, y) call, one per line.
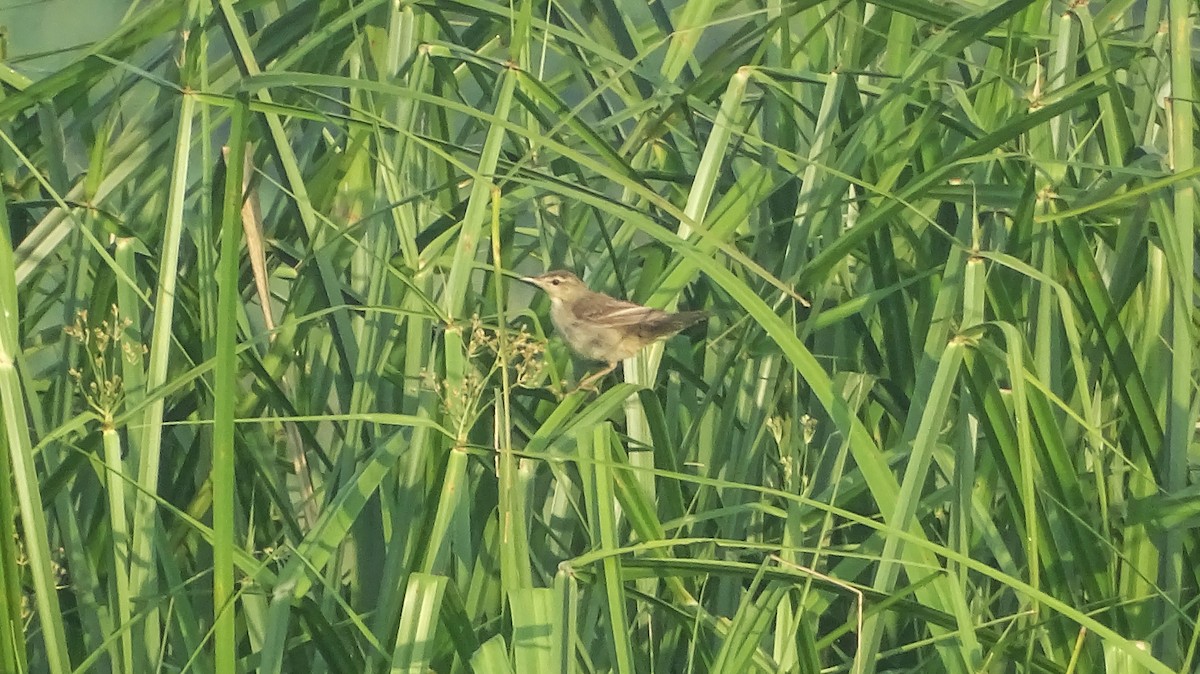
point(589, 383)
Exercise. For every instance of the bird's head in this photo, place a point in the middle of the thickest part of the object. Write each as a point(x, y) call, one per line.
point(559, 285)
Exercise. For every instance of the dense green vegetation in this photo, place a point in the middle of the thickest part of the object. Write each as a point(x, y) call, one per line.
point(942, 419)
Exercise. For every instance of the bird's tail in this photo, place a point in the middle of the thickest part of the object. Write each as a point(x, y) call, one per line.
point(681, 320)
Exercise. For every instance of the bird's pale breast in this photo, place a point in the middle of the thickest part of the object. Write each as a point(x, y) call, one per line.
point(590, 340)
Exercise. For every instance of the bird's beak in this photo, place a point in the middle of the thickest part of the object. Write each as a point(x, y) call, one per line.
point(530, 279)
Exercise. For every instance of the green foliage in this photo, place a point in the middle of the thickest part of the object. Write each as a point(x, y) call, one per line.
point(942, 421)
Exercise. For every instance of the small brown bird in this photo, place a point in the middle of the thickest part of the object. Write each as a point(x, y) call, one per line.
point(603, 328)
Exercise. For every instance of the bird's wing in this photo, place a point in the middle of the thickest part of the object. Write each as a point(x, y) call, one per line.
point(609, 312)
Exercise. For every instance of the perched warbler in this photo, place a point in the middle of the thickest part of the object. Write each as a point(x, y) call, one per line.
point(603, 328)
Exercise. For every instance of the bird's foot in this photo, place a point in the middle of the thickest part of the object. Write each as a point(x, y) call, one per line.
point(590, 382)
point(587, 387)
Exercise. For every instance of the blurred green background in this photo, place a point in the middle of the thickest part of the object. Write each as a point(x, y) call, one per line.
point(43, 35)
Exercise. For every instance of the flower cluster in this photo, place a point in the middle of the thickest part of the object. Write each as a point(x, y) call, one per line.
point(487, 354)
point(103, 345)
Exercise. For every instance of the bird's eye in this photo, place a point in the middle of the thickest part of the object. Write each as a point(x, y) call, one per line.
point(555, 282)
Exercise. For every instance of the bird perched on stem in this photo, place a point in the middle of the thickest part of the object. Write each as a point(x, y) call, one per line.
point(603, 328)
